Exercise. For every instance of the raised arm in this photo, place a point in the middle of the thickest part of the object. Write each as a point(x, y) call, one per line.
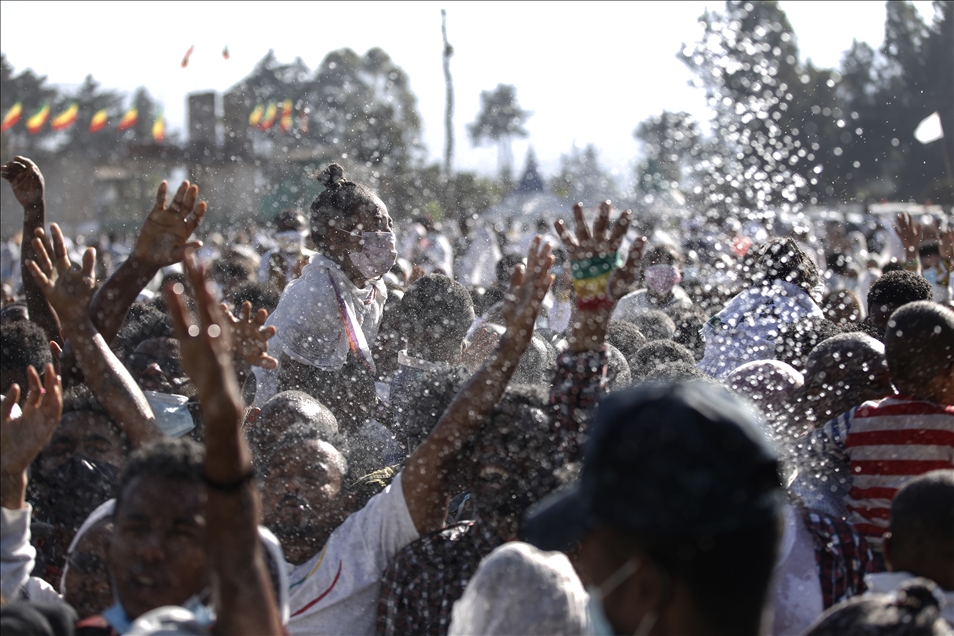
point(245, 600)
point(69, 290)
point(30, 190)
point(162, 241)
point(425, 475)
point(25, 436)
point(599, 282)
point(909, 231)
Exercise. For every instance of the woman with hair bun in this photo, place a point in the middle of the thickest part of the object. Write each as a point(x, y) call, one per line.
point(327, 319)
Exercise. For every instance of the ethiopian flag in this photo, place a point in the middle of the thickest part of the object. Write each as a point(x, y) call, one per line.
point(37, 119)
point(270, 114)
point(12, 117)
point(256, 116)
point(286, 121)
point(129, 119)
point(159, 129)
point(65, 119)
point(98, 122)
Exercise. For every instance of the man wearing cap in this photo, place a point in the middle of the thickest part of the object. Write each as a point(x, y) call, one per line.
point(677, 513)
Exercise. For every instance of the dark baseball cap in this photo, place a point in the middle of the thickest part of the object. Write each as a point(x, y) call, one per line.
point(677, 460)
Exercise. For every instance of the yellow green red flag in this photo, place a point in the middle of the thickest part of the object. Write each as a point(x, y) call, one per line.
point(286, 121)
point(37, 119)
point(65, 119)
point(159, 129)
point(12, 117)
point(98, 122)
point(256, 116)
point(270, 114)
point(129, 119)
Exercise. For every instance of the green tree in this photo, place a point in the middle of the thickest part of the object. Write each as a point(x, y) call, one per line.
point(672, 142)
point(32, 91)
point(91, 98)
point(500, 120)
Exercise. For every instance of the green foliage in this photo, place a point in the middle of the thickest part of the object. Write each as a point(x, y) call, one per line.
point(500, 120)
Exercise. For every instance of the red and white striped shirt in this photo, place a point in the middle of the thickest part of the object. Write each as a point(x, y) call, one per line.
point(885, 443)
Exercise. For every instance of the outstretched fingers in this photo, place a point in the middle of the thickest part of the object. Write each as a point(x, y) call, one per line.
point(620, 228)
point(582, 231)
point(11, 398)
point(602, 219)
point(569, 241)
point(161, 195)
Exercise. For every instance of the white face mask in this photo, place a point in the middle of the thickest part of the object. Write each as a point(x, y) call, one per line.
point(171, 411)
point(377, 255)
point(599, 623)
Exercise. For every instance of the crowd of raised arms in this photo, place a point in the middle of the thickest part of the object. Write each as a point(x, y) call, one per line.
point(339, 426)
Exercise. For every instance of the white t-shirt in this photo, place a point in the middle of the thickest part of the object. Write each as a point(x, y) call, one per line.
point(639, 300)
point(796, 594)
point(309, 323)
point(336, 591)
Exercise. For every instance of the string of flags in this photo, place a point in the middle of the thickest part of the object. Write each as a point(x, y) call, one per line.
point(188, 54)
point(64, 120)
point(263, 117)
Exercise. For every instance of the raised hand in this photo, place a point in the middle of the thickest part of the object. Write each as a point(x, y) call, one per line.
point(594, 257)
point(68, 288)
point(206, 347)
point(909, 231)
point(25, 436)
point(164, 237)
point(528, 286)
point(946, 246)
point(26, 180)
point(250, 335)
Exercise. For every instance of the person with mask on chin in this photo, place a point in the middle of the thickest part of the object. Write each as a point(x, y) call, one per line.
point(327, 318)
point(662, 271)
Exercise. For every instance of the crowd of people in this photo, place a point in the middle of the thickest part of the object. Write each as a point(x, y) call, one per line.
point(337, 425)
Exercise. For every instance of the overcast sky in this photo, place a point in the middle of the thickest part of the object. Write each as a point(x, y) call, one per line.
point(590, 72)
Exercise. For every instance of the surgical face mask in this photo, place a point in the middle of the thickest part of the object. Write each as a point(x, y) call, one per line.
point(662, 278)
point(290, 242)
point(171, 411)
point(599, 623)
point(378, 254)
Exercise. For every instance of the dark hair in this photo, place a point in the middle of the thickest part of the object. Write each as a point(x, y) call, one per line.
point(23, 343)
point(654, 324)
point(912, 611)
point(224, 270)
point(618, 373)
point(796, 340)
point(261, 295)
point(919, 344)
point(662, 255)
point(657, 353)
point(144, 324)
point(289, 220)
point(505, 266)
point(842, 306)
point(675, 372)
point(428, 398)
point(783, 259)
point(178, 460)
point(923, 512)
point(437, 312)
point(537, 364)
point(626, 337)
point(689, 322)
point(338, 201)
point(897, 288)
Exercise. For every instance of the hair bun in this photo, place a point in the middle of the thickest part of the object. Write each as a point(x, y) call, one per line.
point(331, 175)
